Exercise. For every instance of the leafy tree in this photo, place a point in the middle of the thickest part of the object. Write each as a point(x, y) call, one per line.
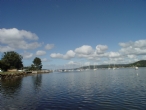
point(11, 60)
point(32, 67)
point(37, 63)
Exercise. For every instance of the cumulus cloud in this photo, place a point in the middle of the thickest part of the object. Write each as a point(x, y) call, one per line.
point(6, 48)
point(49, 46)
point(84, 50)
point(27, 55)
point(129, 51)
point(124, 45)
point(56, 55)
point(10, 34)
point(133, 48)
point(40, 53)
point(69, 54)
point(113, 54)
point(100, 49)
point(18, 39)
point(131, 56)
point(136, 44)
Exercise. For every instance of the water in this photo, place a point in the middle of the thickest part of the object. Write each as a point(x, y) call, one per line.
point(101, 89)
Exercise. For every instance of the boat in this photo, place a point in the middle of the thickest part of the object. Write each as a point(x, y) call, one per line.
point(94, 68)
point(114, 67)
point(109, 67)
point(136, 68)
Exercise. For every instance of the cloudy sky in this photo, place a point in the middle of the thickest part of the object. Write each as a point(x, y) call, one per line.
point(69, 33)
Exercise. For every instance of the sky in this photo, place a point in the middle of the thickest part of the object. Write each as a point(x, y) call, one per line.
point(73, 33)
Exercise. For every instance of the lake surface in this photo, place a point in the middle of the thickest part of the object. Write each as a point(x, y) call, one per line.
point(122, 89)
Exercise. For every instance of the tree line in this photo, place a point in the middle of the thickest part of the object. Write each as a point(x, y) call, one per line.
point(13, 60)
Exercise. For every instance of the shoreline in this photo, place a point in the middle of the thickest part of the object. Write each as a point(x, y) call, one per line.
point(11, 75)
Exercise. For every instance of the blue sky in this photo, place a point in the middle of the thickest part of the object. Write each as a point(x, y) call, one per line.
point(69, 33)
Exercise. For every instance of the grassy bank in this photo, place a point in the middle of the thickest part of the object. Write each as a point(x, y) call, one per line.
point(9, 75)
point(14, 74)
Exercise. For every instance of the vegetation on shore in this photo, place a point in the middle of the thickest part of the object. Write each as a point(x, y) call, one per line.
point(12, 60)
point(141, 63)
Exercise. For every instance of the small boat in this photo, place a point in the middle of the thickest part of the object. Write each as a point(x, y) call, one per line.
point(109, 67)
point(136, 68)
point(94, 68)
point(114, 67)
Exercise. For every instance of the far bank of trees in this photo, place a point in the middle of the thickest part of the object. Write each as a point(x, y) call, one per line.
point(13, 60)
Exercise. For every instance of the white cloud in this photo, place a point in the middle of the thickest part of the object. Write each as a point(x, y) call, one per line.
point(56, 55)
point(6, 48)
point(133, 51)
point(136, 44)
point(129, 51)
point(124, 45)
point(84, 50)
point(40, 53)
point(49, 46)
point(131, 56)
point(100, 49)
point(133, 48)
point(113, 54)
point(69, 54)
point(10, 34)
point(24, 45)
point(18, 39)
point(27, 55)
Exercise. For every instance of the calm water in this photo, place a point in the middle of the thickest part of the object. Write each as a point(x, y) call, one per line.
point(123, 89)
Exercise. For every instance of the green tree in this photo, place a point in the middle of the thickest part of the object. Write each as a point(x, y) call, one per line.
point(37, 63)
point(11, 60)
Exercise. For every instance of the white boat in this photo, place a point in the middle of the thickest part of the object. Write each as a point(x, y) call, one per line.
point(109, 67)
point(114, 67)
point(94, 68)
point(136, 68)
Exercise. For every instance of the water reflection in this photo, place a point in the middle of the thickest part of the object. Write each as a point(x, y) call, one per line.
point(37, 81)
point(10, 87)
point(102, 89)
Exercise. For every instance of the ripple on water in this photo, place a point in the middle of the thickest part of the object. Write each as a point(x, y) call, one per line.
point(103, 89)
